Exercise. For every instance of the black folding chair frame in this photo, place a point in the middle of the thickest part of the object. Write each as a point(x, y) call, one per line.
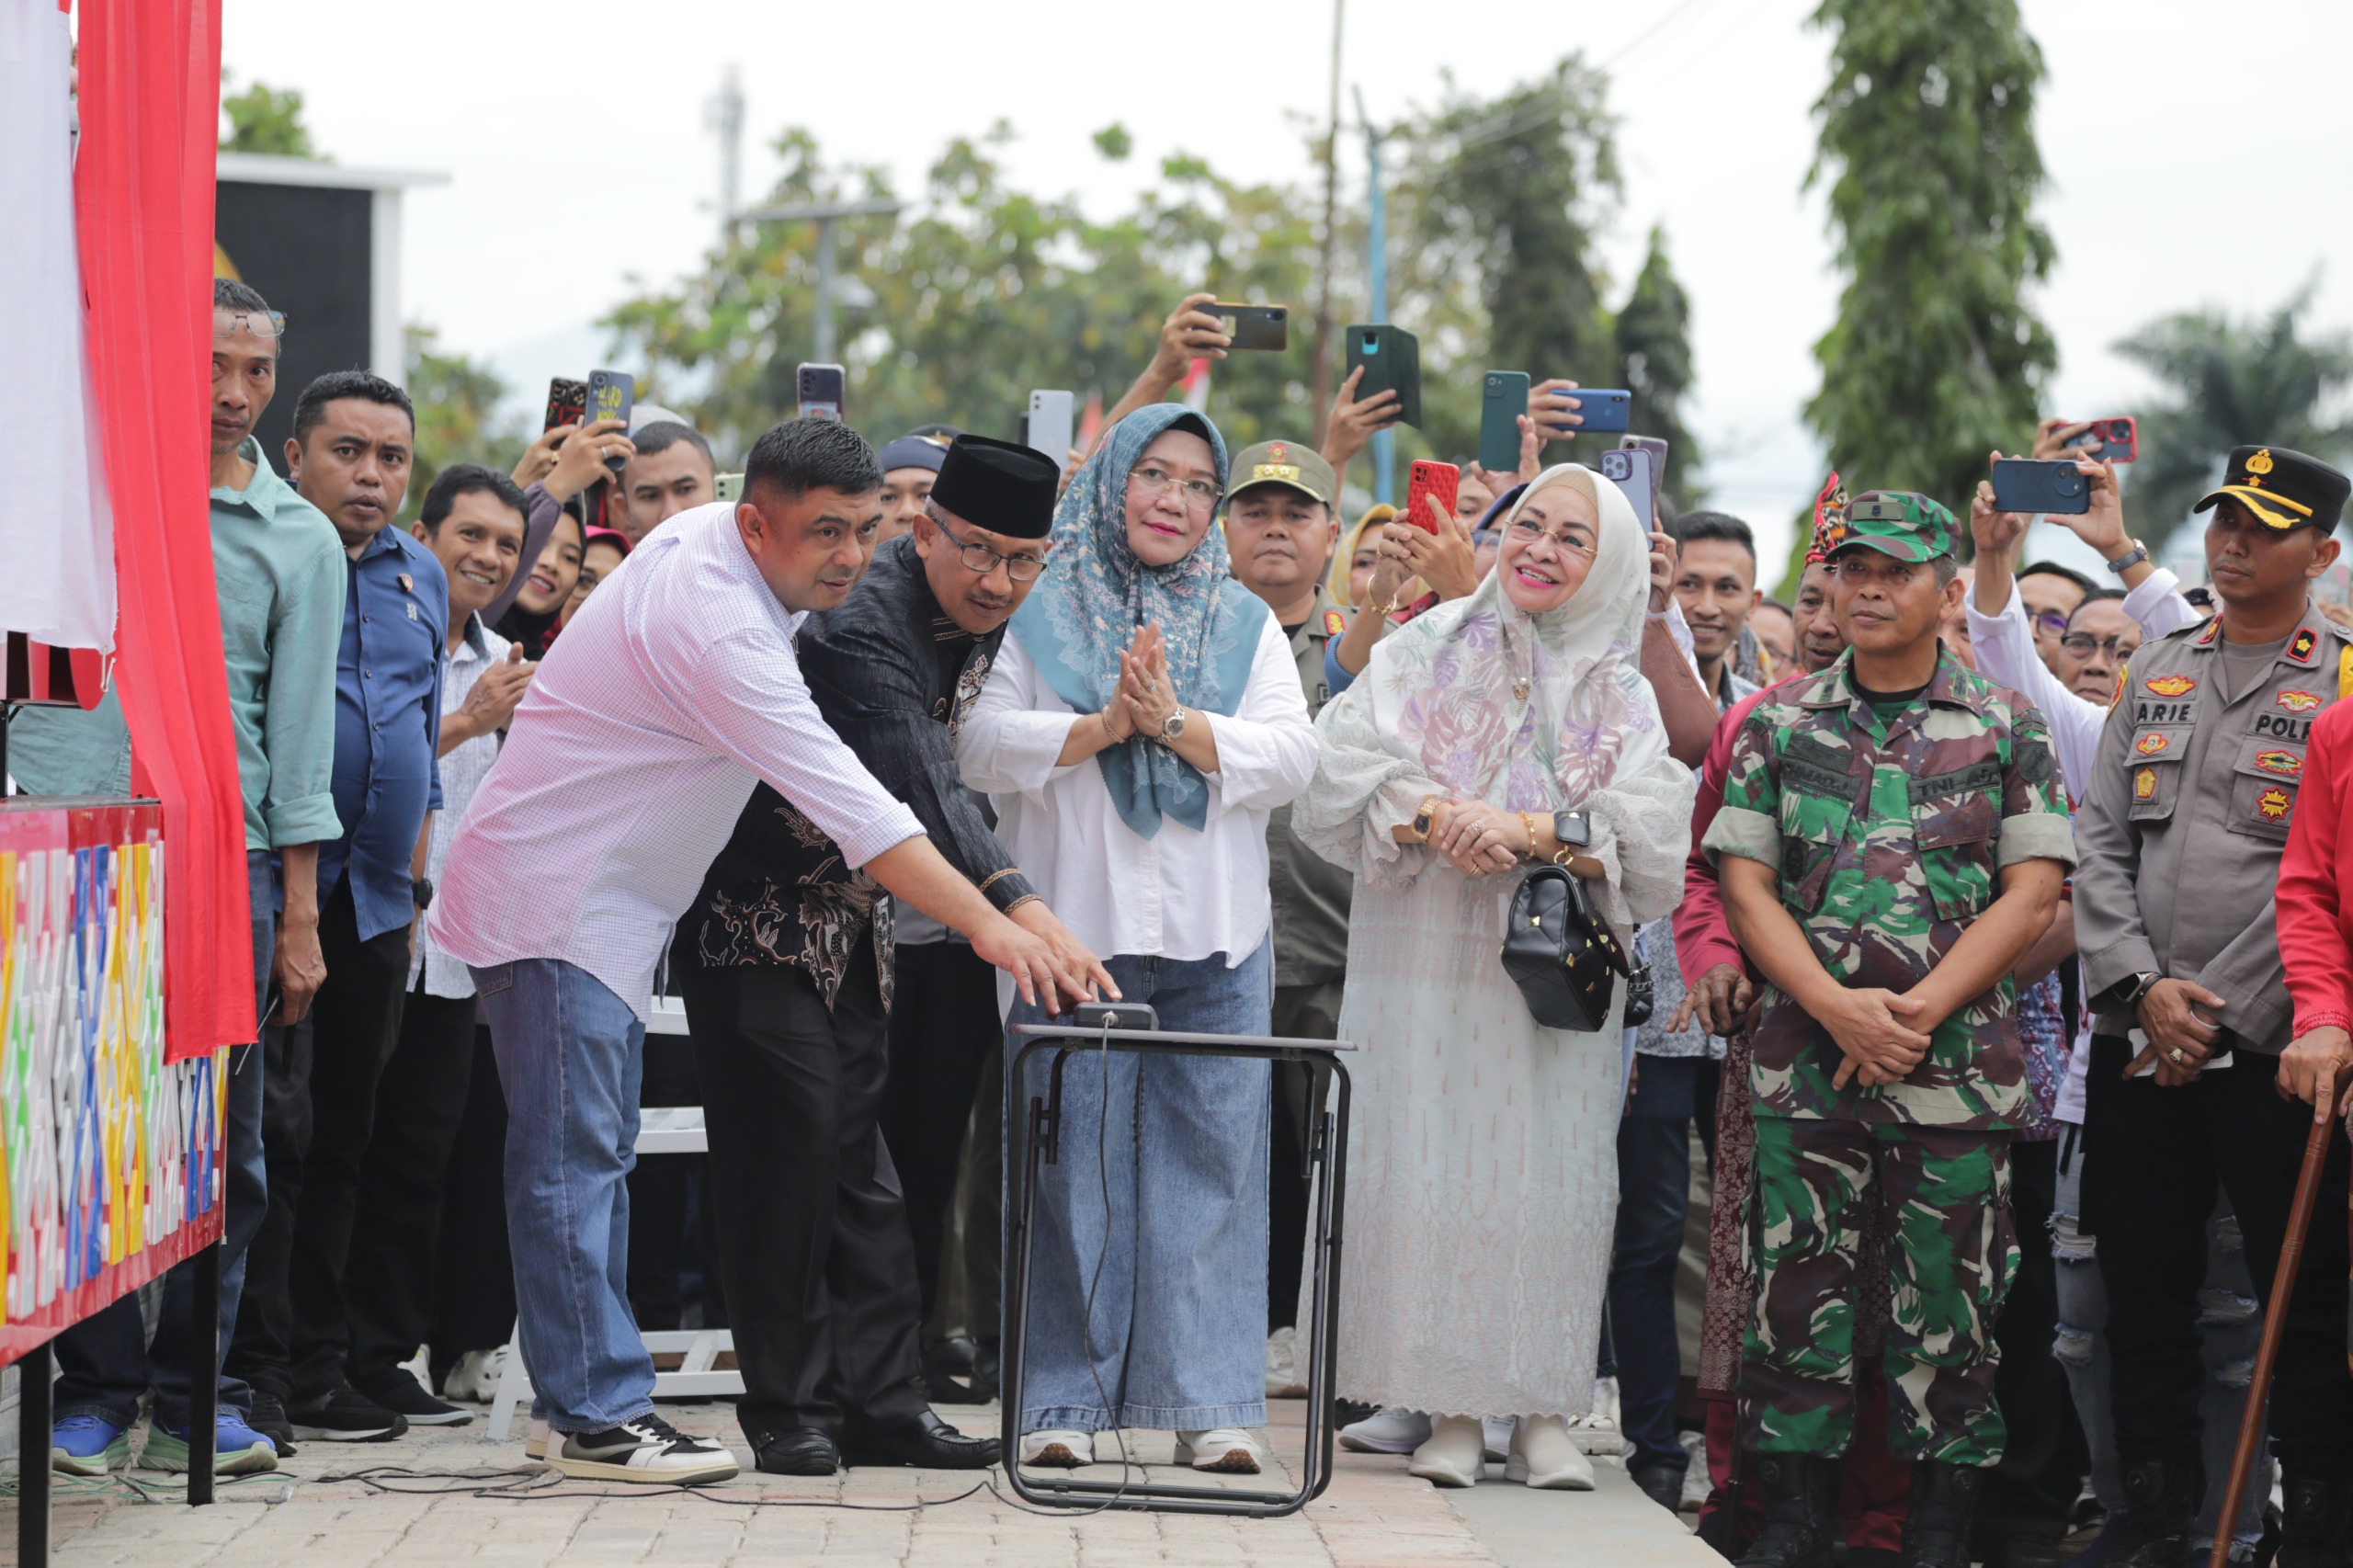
point(1324, 1150)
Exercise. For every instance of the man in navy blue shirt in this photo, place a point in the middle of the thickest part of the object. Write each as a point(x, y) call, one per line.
point(351, 453)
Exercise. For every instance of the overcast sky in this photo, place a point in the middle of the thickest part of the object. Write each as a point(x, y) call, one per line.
point(2198, 157)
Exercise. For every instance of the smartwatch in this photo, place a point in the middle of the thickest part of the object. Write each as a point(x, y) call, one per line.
point(2129, 559)
point(1572, 829)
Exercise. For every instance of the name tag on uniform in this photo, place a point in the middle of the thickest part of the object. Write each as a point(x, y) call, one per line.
point(411, 611)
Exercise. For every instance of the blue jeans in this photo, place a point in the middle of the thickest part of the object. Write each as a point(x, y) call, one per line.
point(1177, 1269)
point(105, 1362)
point(570, 1055)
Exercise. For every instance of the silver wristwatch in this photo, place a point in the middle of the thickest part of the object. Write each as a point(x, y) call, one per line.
point(2129, 559)
point(1174, 729)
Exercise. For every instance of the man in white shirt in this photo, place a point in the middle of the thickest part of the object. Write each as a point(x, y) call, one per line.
point(672, 694)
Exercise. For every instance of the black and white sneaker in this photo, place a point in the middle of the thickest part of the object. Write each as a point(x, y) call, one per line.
point(648, 1449)
point(345, 1415)
point(403, 1396)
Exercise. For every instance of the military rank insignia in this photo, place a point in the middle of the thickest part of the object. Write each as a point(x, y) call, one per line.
point(1335, 623)
point(2144, 784)
point(2280, 764)
point(2300, 650)
point(2272, 805)
point(2170, 686)
point(2150, 743)
point(2298, 702)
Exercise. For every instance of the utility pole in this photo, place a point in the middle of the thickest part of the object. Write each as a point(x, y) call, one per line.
point(723, 115)
point(1319, 373)
point(827, 215)
point(1384, 442)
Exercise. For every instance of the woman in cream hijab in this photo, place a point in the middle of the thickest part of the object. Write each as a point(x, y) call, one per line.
point(1483, 1155)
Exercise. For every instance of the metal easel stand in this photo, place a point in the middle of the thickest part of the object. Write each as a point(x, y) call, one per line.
point(1325, 1161)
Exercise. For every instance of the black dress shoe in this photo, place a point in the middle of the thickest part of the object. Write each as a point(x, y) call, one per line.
point(798, 1450)
point(1663, 1485)
point(924, 1440)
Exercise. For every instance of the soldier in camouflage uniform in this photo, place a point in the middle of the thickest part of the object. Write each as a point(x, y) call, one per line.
point(1892, 839)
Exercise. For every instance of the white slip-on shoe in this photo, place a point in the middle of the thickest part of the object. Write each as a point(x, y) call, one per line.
point(1284, 1379)
point(1058, 1450)
point(1455, 1454)
point(1545, 1456)
point(1598, 1431)
point(648, 1449)
point(1387, 1430)
point(1495, 1432)
point(1226, 1448)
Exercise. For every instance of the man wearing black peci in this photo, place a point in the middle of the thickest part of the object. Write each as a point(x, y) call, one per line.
point(785, 960)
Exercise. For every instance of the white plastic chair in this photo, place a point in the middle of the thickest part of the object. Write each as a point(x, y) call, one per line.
point(661, 1129)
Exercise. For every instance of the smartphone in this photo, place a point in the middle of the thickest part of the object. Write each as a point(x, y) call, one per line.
point(1392, 358)
point(2024, 484)
point(1503, 398)
point(567, 402)
point(1656, 447)
point(1442, 481)
point(1049, 429)
point(1630, 471)
point(1255, 327)
point(1604, 411)
point(2116, 440)
point(819, 390)
point(612, 395)
point(727, 487)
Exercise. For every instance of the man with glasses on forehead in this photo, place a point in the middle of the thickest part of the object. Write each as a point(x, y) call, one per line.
point(814, 1234)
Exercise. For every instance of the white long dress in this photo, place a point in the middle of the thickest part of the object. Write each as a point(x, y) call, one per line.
point(1481, 1159)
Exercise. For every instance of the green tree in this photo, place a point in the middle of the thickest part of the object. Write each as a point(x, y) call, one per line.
point(1927, 146)
point(263, 118)
point(457, 416)
point(1653, 335)
point(2235, 383)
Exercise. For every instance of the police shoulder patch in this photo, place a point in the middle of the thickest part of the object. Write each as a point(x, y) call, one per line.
point(1335, 623)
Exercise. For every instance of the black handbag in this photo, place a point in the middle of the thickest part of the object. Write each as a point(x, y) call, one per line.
point(1562, 954)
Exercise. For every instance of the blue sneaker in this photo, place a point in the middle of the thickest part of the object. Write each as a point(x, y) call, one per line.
point(87, 1443)
point(237, 1449)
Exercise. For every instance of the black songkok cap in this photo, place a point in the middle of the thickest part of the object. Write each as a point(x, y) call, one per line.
point(996, 485)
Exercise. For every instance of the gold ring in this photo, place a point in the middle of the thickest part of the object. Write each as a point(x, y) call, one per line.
point(2176, 1055)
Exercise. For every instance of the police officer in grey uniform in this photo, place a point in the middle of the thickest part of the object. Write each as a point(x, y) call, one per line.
point(1280, 531)
point(2192, 794)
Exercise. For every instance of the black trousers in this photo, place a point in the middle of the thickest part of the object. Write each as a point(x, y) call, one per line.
point(388, 1280)
point(943, 1022)
point(2153, 1158)
point(819, 1272)
point(356, 1024)
point(2034, 1489)
point(321, 1100)
point(473, 1297)
point(667, 1227)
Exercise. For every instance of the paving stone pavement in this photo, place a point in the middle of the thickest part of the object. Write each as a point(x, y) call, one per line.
point(312, 1512)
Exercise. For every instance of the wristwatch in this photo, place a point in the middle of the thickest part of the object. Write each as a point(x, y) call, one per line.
point(420, 889)
point(1174, 729)
point(2126, 994)
point(2129, 559)
point(1572, 829)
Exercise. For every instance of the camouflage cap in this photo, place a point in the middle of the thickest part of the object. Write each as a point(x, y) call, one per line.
point(1901, 523)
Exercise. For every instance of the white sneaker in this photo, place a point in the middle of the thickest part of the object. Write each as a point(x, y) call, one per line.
point(476, 1376)
point(1226, 1448)
point(647, 1449)
point(1387, 1431)
point(1545, 1455)
point(535, 1446)
point(1060, 1450)
point(1496, 1431)
point(1284, 1379)
point(1453, 1456)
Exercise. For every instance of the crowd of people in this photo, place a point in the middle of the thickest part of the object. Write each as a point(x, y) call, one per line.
point(1968, 914)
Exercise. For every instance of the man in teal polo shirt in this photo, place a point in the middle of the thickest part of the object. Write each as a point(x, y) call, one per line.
point(278, 569)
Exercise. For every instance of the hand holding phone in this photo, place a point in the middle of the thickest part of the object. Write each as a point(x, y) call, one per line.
point(2026, 485)
point(1263, 327)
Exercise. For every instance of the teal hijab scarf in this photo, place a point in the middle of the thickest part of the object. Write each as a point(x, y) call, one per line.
point(1098, 595)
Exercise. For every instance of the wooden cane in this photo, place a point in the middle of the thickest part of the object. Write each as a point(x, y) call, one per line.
point(2275, 1323)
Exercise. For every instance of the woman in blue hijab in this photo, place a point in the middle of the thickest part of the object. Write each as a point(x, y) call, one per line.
point(1142, 719)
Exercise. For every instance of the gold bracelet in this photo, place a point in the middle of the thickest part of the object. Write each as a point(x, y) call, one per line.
point(1529, 823)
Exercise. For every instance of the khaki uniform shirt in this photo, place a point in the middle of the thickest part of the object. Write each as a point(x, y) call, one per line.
point(1311, 894)
point(2192, 797)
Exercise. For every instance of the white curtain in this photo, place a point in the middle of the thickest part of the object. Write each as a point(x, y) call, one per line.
point(56, 530)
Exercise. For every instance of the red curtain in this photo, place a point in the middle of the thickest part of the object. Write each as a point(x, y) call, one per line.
point(142, 188)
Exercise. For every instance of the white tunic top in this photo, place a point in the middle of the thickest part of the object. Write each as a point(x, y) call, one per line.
point(674, 692)
point(1181, 894)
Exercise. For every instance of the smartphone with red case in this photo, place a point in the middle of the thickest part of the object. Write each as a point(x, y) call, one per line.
point(1442, 481)
point(2116, 440)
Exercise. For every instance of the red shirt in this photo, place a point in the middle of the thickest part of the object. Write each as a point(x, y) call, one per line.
point(2314, 916)
point(1702, 935)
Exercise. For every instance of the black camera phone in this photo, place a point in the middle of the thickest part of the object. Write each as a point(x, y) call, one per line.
point(2025, 484)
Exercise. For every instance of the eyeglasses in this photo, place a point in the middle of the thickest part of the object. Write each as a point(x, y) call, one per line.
point(2083, 645)
point(980, 560)
point(1199, 495)
point(243, 320)
point(1570, 537)
point(2052, 622)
